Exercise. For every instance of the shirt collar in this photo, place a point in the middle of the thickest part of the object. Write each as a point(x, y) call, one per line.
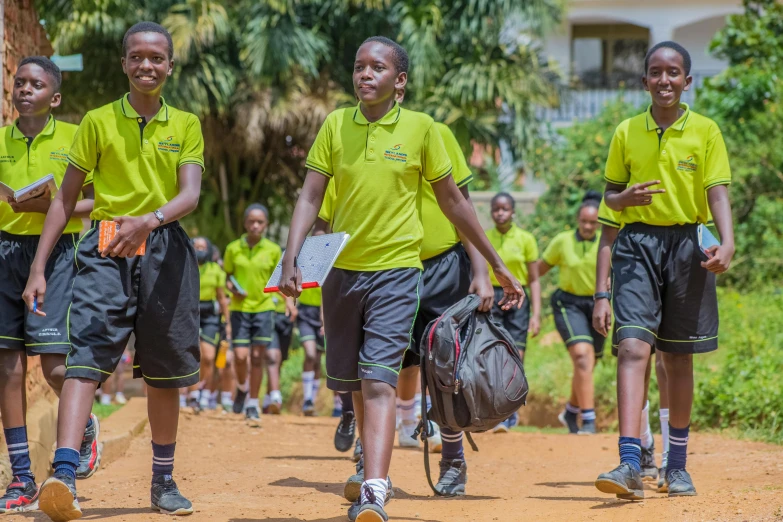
point(679, 124)
point(390, 118)
point(579, 238)
point(130, 112)
point(48, 129)
point(245, 244)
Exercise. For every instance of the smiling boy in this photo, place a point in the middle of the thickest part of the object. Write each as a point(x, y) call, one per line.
point(147, 159)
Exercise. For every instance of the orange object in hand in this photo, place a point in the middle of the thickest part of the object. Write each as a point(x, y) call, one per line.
point(106, 232)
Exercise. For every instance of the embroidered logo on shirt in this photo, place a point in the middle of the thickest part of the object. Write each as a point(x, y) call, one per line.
point(168, 145)
point(394, 154)
point(687, 164)
point(60, 154)
point(7, 159)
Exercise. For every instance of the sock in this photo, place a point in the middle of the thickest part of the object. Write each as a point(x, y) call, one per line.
point(408, 411)
point(244, 386)
point(678, 451)
point(664, 412)
point(399, 413)
point(19, 453)
point(267, 401)
point(428, 402)
point(378, 487)
point(572, 409)
point(225, 398)
point(182, 401)
point(105, 399)
point(588, 416)
point(163, 459)
point(338, 402)
point(647, 436)
point(251, 402)
point(631, 452)
point(195, 394)
point(417, 402)
point(276, 396)
point(316, 387)
point(347, 401)
point(307, 385)
point(452, 445)
point(66, 460)
point(213, 395)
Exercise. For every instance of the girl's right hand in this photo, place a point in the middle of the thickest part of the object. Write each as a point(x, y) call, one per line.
point(602, 316)
point(36, 289)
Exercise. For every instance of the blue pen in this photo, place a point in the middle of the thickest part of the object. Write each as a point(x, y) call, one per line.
point(35, 304)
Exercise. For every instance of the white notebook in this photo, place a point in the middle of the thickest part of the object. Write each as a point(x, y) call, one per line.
point(33, 190)
point(315, 260)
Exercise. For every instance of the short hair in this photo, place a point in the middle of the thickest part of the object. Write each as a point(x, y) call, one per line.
point(399, 54)
point(501, 195)
point(592, 198)
point(256, 206)
point(49, 68)
point(147, 27)
point(674, 46)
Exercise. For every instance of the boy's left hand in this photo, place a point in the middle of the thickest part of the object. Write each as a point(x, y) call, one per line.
point(720, 258)
point(132, 234)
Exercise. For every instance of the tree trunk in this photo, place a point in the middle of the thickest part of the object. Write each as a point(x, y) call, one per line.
point(224, 197)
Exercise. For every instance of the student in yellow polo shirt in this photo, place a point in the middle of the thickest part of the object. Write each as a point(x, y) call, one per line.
point(574, 252)
point(147, 159)
point(33, 146)
point(249, 262)
point(371, 295)
point(666, 172)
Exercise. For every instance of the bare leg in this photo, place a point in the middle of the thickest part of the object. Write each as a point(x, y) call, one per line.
point(679, 370)
point(663, 382)
point(583, 357)
point(241, 363)
point(75, 408)
point(53, 367)
point(274, 358)
point(13, 392)
point(257, 356)
point(163, 411)
point(358, 411)
point(408, 382)
point(378, 432)
point(632, 363)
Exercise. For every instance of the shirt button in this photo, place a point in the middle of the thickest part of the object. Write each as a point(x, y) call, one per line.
point(146, 141)
point(664, 152)
point(372, 138)
point(139, 120)
point(371, 151)
point(663, 140)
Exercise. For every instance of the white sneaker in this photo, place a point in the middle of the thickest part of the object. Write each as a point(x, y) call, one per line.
point(434, 440)
point(404, 438)
point(120, 398)
point(105, 399)
point(203, 402)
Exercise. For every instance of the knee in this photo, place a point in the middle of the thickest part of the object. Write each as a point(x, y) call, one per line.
point(11, 368)
point(273, 357)
point(241, 357)
point(631, 353)
point(584, 362)
point(377, 390)
point(677, 362)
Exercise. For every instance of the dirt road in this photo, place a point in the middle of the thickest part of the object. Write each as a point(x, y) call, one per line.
point(288, 471)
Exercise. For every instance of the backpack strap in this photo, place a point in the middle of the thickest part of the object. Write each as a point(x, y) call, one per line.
point(424, 425)
point(470, 440)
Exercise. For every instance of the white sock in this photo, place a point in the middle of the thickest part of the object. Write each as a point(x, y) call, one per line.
point(195, 394)
point(225, 398)
point(307, 385)
point(647, 436)
point(338, 401)
point(408, 411)
point(664, 412)
point(276, 396)
point(378, 487)
point(213, 395)
point(417, 403)
point(244, 386)
point(316, 387)
point(183, 401)
point(267, 401)
point(105, 399)
point(251, 402)
point(428, 401)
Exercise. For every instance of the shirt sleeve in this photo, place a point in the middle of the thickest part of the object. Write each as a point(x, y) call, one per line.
point(460, 171)
point(327, 207)
point(88, 179)
point(319, 158)
point(553, 252)
point(616, 171)
point(84, 151)
point(531, 248)
point(609, 217)
point(193, 144)
point(228, 260)
point(221, 276)
point(436, 164)
point(716, 169)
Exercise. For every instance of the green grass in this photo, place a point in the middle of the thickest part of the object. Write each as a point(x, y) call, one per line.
point(102, 411)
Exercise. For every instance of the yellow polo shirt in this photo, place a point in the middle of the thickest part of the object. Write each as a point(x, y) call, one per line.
point(689, 158)
point(377, 169)
point(279, 301)
point(327, 207)
point(576, 258)
point(24, 161)
point(211, 277)
point(609, 217)
point(135, 162)
point(311, 297)
point(516, 248)
point(252, 268)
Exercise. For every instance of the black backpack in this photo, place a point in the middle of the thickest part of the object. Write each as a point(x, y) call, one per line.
point(473, 373)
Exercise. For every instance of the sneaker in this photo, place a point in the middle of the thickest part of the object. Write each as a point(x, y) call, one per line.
point(166, 498)
point(453, 478)
point(501, 428)
point(512, 421)
point(663, 487)
point(405, 438)
point(568, 420)
point(588, 428)
point(623, 481)
point(90, 451)
point(212, 403)
point(353, 511)
point(193, 404)
point(57, 498)
point(120, 398)
point(275, 407)
point(227, 406)
point(203, 403)
point(308, 408)
point(353, 486)
point(252, 416)
point(239, 401)
point(649, 468)
point(434, 441)
point(357, 451)
point(105, 399)
point(344, 436)
point(20, 496)
point(680, 483)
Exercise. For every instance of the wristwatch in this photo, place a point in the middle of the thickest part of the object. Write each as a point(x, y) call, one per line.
point(159, 215)
point(602, 295)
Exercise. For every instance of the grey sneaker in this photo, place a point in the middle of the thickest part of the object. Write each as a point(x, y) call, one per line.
point(680, 483)
point(90, 451)
point(649, 468)
point(588, 428)
point(353, 486)
point(663, 487)
point(623, 481)
point(353, 511)
point(252, 417)
point(568, 420)
point(166, 498)
point(57, 498)
point(453, 478)
point(357, 451)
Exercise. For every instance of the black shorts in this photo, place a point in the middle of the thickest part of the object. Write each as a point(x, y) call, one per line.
point(661, 293)
point(309, 324)
point(574, 320)
point(19, 329)
point(209, 323)
point(369, 322)
point(154, 296)
point(282, 334)
point(252, 329)
point(515, 320)
point(445, 280)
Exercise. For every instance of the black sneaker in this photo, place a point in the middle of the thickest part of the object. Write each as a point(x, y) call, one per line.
point(239, 401)
point(252, 416)
point(353, 486)
point(453, 478)
point(343, 437)
point(588, 428)
point(357, 451)
point(308, 408)
point(353, 511)
point(680, 483)
point(166, 498)
point(649, 468)
point(568, 420)
point(623, 481)
point(90, 451)
point(20, 496)
point(57, 498)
